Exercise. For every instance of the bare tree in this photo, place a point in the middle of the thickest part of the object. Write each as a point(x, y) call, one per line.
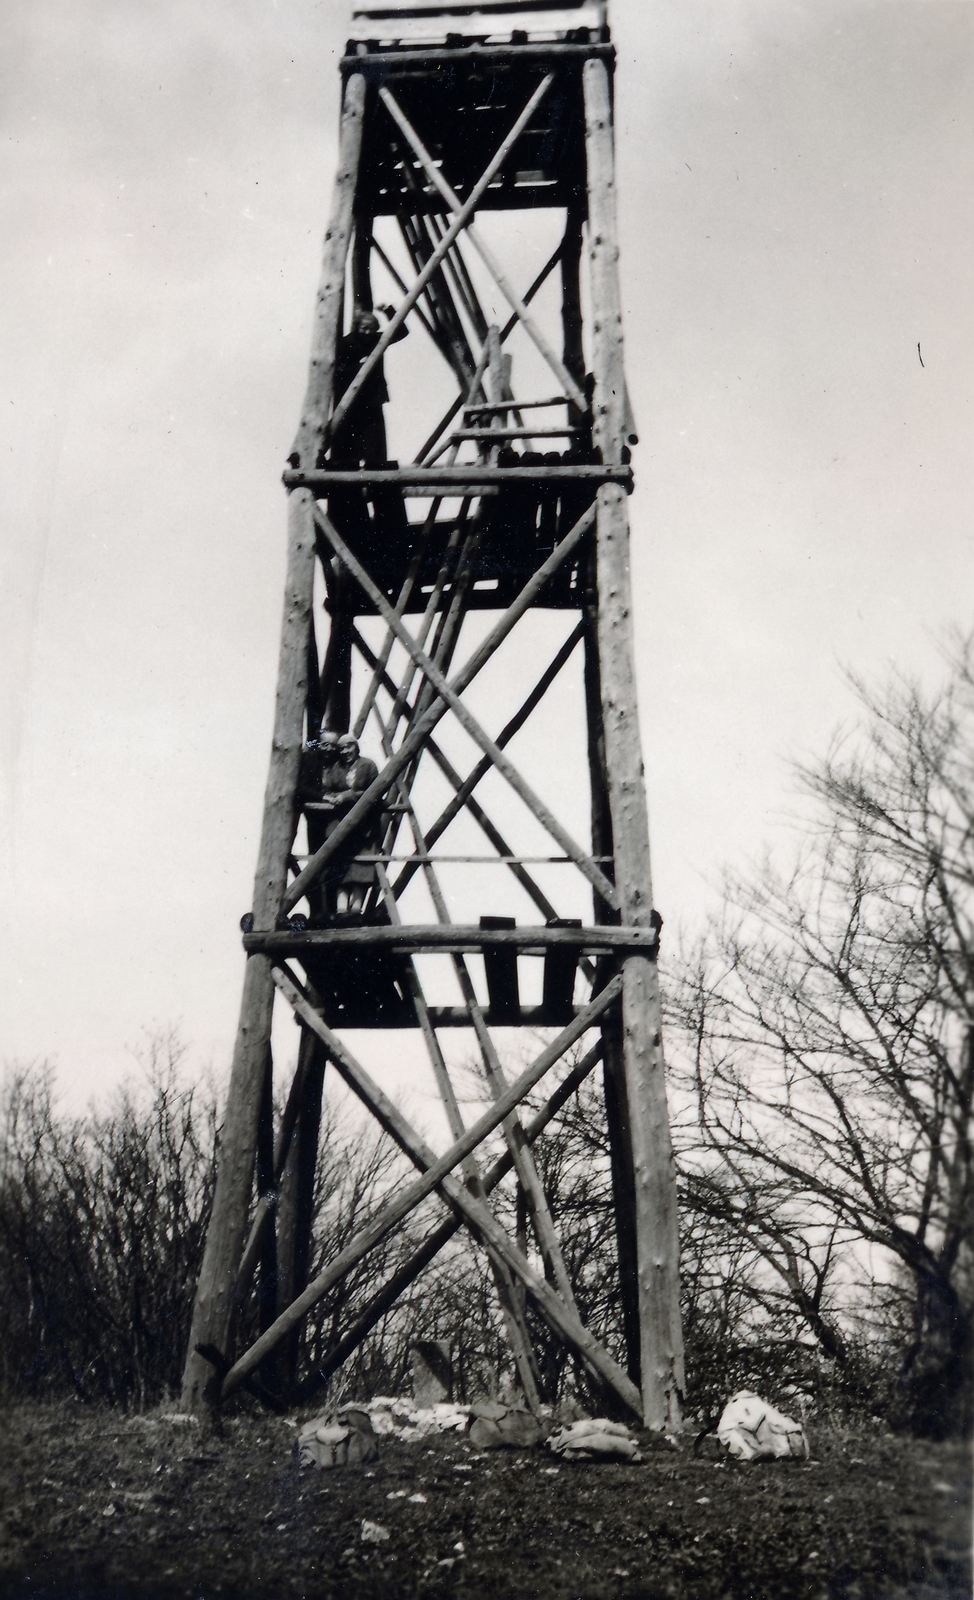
point(826, 1044)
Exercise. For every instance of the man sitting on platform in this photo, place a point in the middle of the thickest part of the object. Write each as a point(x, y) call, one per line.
point(345, 775)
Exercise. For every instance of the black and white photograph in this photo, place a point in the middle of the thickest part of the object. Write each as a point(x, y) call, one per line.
point(487, 805)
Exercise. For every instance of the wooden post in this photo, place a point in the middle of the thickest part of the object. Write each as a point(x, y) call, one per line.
point(571, 305)
point(613, 1067)
point(331, 288)
point(214, 1305)
point(295, 1213)
point(657, 1241)
point(267, 1280)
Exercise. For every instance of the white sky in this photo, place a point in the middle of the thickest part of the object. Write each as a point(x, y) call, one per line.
point(795, 188)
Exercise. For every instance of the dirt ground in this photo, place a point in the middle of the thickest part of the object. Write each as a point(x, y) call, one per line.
point(94, 1504)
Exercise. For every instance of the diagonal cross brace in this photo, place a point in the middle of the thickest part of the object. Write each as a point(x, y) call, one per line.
point(386, 1297)
point(506, 332)
point(563, 1319)
point(455, 229)
point(483, 250)
point(401, 1205)
point(504, 765)
point(423, 727)
point(466, 786)
point(505, 851)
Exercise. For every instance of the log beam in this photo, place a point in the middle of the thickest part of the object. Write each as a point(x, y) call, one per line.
point(215, 1293)
point(657, 1242)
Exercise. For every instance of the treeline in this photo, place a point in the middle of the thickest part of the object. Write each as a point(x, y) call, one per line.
point(103, 1218)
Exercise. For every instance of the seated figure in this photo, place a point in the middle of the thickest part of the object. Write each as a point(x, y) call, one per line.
point(337, 775)
point(358, 773)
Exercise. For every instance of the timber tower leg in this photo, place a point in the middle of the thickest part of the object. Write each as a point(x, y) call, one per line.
point(499, 532)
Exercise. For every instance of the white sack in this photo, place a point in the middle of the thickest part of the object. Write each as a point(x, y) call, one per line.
point(753, 1430)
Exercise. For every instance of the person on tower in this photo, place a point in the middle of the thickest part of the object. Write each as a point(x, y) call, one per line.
point(361, 437)
point(358, 772)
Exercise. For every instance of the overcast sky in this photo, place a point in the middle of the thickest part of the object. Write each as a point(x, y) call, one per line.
point(796, 181)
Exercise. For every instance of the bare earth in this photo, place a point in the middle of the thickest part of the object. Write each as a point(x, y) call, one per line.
point(93, 1504)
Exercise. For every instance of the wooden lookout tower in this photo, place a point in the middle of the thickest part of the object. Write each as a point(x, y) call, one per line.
point(455, 831)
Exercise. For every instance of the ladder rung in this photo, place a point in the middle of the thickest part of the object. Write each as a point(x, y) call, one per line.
point(515, 405)
point(513, 433)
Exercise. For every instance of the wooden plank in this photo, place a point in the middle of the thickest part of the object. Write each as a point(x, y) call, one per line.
point(423, 726)
point(500, 967)
point(522, 405)
point(661, 1346)
point(328, 302)
point(513, 433)
point(395, 1210)
point(458, 478)
point(443, 689)
point(561, 1317)
point(456, 227)
point(558, 984)
point(376, 1308)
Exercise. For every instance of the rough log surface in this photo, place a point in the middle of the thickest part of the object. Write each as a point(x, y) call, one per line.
point(661, 1346)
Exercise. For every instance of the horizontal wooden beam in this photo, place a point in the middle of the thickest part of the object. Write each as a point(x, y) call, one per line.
point(379, 62)
point(459, 479)
point(420, 858)
point(496, 435)
point(516, 405)
point(454, 937)
point(528, 1017)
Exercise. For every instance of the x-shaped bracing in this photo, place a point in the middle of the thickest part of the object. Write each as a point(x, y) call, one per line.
point(437, 1175)
point(446, 696)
